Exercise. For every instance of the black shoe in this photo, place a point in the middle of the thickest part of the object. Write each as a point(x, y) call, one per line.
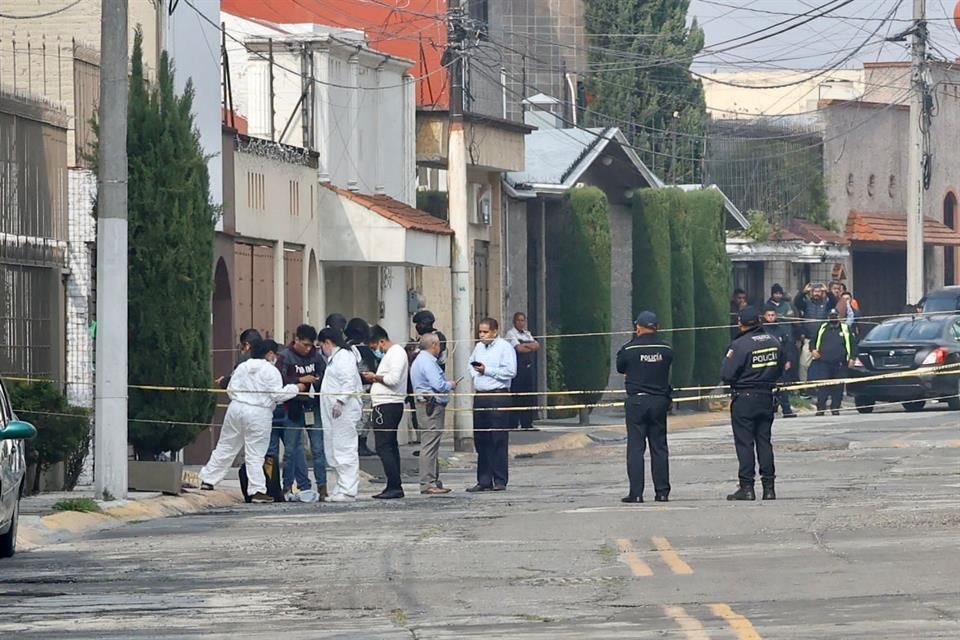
point(416, 454)
point(632, 499)
point(364, 451)
point(499, 487)
point(662, 497)
point(478, 488)
point(389, 494)
point(835, 412)
point(819, 414)
point(206, 486)
point(790, 415)
point(769, 493)
point(743, 493)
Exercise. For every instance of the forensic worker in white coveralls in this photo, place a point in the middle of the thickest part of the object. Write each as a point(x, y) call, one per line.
point(256, 388)
point(341, 408)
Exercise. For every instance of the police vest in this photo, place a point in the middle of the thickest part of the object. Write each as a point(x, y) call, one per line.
point(844, 331)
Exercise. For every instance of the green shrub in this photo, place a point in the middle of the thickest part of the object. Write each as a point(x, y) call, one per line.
point(712, 282)
point(651, 254)
point(84, 505)
point(585, 288)
point(682, 292)
point(555, 379)
point(63, 431)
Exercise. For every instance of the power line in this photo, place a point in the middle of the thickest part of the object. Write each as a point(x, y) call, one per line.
point(46, 14)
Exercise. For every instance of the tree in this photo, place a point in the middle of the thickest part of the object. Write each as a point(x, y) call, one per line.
point(641, 51)
point(171, 234)
point(711, 281)
point(585, 277)
point(651, 278)
point(683, 338)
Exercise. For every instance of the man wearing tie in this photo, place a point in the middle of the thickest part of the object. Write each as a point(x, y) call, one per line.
point(493, 366)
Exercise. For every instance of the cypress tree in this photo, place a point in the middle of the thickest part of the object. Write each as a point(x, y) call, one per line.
point(171, 234)
point(641, 51)
point(586, 288)
point(651, 254)
point(712, 282)
point(681, 291)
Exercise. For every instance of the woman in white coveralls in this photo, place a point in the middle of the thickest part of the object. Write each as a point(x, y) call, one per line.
point(256, 388)
point(341, 407)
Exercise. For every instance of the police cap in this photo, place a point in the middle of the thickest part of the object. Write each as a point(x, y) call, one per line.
point(424, 316)
point(749, 316)
point(646, 319)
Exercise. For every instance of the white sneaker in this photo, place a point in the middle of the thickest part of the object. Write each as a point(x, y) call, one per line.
point(308, 495)
point(339, 497)
point(290, 496)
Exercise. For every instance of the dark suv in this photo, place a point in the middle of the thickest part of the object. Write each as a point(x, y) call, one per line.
point(945, 300)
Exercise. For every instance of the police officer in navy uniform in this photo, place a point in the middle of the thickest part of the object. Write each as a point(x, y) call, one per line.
point(753, 365)
point(646, 362)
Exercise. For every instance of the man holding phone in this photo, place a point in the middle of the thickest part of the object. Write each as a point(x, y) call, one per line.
point(493, 366)
point(430, 390)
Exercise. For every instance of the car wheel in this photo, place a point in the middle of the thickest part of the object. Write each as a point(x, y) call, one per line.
point(954, 401)
point(915, 405)
point(8, 541)
point(864, 405)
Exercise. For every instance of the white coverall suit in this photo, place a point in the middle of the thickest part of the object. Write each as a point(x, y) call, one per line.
point(256, 388)
point(341, 384)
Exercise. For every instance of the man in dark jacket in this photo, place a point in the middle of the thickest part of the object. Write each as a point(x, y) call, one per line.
point(833, 350)
point(301, 362)
point(783, 332)
point(357, 334)
point(812, 304)
point(646, 361)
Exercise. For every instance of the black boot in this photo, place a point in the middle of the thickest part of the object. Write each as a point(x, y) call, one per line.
point(769, 493)
point(745, 492)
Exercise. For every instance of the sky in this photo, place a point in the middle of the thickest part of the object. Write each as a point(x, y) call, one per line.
point(825, 41)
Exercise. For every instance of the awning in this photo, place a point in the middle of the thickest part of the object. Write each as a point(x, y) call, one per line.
point(377, 229)
point(891, 229)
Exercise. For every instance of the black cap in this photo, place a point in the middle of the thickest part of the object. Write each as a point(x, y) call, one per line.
point(749, 316)
point(424, 316)
point(769, 307)
point(776, 289)
point(833, 313)
point(646, 319)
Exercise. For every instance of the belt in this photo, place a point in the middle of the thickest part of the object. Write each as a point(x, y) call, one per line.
point(752, 391)
point(501, 390)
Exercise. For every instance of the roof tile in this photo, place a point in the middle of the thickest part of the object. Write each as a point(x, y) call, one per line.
point(396, 211)
point(867, 226)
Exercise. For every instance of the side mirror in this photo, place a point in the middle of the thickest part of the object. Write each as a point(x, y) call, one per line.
point(18, 430)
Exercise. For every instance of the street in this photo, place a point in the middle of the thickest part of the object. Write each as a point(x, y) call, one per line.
point(863, 543)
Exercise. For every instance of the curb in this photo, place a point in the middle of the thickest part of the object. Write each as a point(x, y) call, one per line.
point(37, 531)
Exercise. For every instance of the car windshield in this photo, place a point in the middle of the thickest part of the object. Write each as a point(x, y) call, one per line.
point(903, 331)
point(941, 303)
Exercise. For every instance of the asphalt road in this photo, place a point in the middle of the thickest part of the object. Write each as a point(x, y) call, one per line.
point(864, 543)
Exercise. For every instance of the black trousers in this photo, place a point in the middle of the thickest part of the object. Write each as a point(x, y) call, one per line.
point(751, 413)
point(647, 423)
point(491, 437)
point(524, 382)
point(386, 419)
point(833, 392)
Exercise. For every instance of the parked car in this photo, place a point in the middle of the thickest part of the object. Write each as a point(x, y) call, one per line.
point(13, 467)
point(946, 299)
point(917, 344)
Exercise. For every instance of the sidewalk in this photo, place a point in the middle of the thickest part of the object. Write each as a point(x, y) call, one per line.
point(41, 525)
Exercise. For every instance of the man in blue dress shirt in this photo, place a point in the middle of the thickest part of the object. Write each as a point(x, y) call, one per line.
point(493, 366)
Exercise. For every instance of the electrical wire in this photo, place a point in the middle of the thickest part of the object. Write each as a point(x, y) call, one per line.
point(46, 14)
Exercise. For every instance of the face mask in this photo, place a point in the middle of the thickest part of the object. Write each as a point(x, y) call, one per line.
point(378, 354)
point(272, 360)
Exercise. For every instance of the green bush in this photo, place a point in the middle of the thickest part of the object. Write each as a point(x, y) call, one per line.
point(712, 282)
point(585, 286)
point(651, 254)
point(682, 292)
point(63, 431)
point(83, 505)
point(555, 380)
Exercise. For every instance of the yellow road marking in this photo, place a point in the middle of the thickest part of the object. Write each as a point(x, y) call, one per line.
point(671, 558)
point(692, 628)
point(629, 557)
point(740, 625)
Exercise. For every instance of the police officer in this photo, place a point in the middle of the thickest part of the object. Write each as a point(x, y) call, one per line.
point(752, 367)
point(646, 362)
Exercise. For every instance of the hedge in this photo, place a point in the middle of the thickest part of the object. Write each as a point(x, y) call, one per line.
point(586, 291)
point(712, 282)
point(651, 254)
point(682, 291)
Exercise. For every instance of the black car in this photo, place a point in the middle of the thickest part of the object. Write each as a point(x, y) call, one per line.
point(946, 299)
point(917, 344)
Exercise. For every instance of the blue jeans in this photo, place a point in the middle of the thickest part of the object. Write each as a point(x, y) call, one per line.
point(294, 459)
point(315, 433)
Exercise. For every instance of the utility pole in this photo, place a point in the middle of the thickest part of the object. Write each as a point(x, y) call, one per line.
point(917, 158)
point(110, 402)
point(460, 223)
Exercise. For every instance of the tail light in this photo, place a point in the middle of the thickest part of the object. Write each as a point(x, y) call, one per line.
point(936, 357)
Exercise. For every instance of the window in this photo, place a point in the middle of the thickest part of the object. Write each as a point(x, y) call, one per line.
point(892, 186)
point(955, 330)
point(255, 187)
point(294, 193)
point(850, 184)
point(481, 293)
point(907, 330)
point(312, 204)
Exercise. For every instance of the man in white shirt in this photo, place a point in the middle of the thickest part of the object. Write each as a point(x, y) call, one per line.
point(493, 366)
point(387, 393)
point(256, 388)
point(525, 383)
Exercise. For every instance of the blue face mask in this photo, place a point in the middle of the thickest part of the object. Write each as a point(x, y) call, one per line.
point(378, 354)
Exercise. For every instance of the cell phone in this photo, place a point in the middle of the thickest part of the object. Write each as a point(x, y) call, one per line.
point(476, 364)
